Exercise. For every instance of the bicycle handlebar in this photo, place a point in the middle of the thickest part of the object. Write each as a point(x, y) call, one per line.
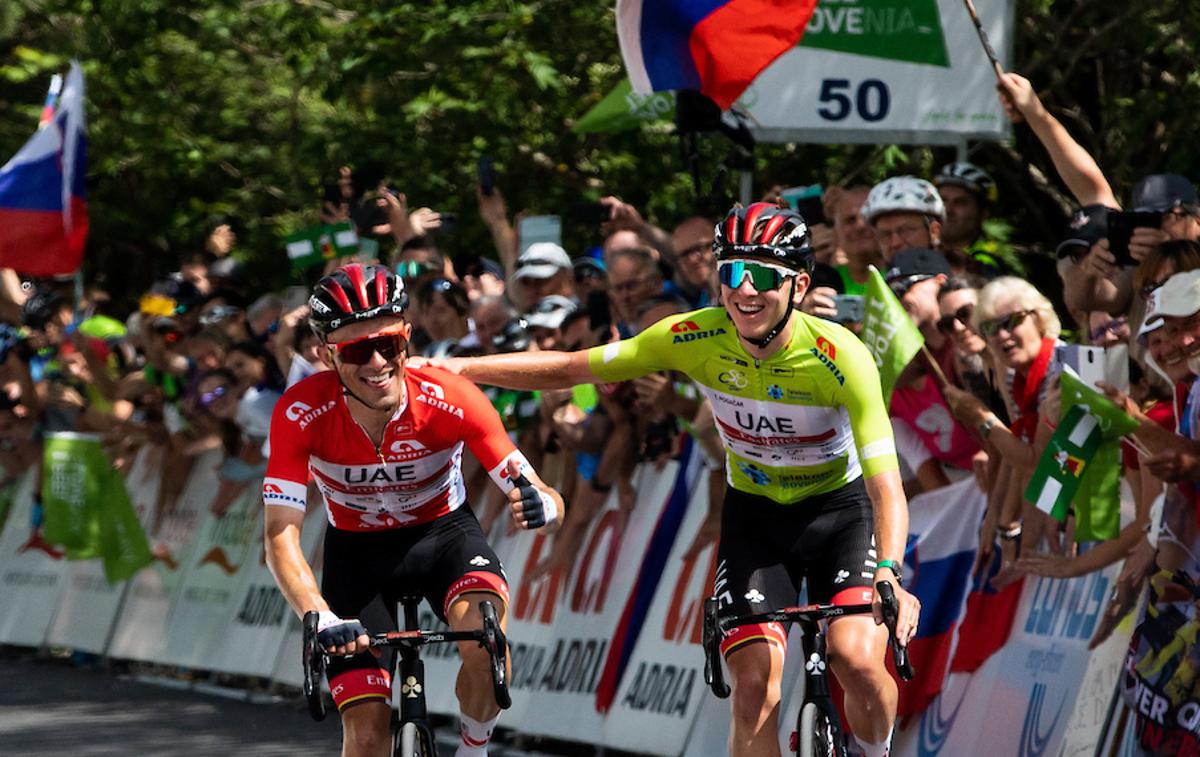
point(891, 609)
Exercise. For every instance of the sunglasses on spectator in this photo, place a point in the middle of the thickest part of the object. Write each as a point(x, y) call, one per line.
point(1008, 323)
point(764, 277)
point(945, 324)
point(1113, 326)
point(902, 285)
point(217, 392)
point(389, 345)
point(412, 269)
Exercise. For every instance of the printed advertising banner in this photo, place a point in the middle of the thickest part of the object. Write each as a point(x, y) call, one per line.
point(605, 651)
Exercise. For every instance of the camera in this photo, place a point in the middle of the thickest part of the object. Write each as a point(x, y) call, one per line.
point(514, 337)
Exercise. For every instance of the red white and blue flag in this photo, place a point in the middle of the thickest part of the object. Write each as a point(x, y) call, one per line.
point(714, 46)
point(43, 207)
point(943, 538)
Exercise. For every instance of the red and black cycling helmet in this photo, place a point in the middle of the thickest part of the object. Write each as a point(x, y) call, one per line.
point(355, 293)
point(765, 231)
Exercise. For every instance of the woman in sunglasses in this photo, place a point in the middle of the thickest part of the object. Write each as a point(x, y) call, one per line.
point(814, 485)
point(1021, 330)
point(383, 443)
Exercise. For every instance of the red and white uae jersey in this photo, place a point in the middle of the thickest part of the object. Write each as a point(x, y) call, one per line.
point(413, 477)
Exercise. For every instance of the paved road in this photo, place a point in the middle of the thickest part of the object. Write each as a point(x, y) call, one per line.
point(48, 707)
point(51, 707)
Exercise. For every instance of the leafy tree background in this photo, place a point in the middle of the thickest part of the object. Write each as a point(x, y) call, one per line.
point(245, 108)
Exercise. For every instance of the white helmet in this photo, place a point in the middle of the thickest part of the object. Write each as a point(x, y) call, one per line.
point(968, 176)
point(903, 194)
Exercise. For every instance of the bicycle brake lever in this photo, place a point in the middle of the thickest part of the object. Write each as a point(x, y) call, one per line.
point(890, 607)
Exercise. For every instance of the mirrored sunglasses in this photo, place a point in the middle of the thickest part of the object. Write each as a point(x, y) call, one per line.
point(389, 345)
point(764, 277)
point(208, 398)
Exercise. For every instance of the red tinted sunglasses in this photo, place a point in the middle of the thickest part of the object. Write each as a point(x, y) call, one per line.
point(389, 345)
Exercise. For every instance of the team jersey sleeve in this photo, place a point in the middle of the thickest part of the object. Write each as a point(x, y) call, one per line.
point(627, 359)
point(484, 434)
point(286, 481)
point(862, 396)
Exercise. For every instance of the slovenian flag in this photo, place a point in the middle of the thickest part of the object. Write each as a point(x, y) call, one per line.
point(943, 530)
point(43, 208)
point(714, 46)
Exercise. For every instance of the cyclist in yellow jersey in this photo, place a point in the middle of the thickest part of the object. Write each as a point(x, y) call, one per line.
point(814, 487)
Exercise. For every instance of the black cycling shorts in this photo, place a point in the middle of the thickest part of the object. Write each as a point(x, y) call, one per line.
point(440, 561)
point(767, 549)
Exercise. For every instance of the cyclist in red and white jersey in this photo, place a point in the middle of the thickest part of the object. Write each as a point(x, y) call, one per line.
point(384, 446)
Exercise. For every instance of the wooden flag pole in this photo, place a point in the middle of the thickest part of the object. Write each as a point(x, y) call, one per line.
point(983, 38)
point(933, 363)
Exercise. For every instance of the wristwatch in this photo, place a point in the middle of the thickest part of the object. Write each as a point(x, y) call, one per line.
point(893, 566)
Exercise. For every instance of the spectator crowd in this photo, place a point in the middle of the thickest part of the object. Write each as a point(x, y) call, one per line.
point(202, 361)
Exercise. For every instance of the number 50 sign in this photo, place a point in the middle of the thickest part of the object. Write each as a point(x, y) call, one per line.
point(874, 71)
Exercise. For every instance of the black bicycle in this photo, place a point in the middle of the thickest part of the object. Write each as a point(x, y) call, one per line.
point(412, 734)
point(818, 733)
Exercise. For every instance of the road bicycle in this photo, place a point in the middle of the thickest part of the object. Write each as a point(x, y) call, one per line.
point(818, 729)
point(412, 734)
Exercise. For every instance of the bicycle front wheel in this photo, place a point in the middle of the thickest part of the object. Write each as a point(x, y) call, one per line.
point(817, 734)
point(413, 743)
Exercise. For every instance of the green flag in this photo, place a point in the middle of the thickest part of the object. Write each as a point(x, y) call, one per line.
point(317, 244)
point(87, 509)
point(1098, 499)
point(123, 544)
point(622, 110)
point(1114, 422)
point(1064, 462)
point(73, 477)
point(890, 335)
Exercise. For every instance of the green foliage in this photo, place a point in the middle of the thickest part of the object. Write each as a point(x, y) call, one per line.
point(226, 107)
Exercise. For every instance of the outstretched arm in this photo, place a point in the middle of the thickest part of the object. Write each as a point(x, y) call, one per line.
point(525, 370)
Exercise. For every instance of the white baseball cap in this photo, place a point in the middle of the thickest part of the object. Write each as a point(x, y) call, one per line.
point(542, 260)
point(1178, 297)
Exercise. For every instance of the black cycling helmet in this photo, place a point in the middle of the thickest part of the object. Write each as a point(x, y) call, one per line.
point(766, 231)
point(355, 293)
point(41, 306)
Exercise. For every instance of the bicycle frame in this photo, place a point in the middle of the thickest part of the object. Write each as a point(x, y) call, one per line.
point(809, 617)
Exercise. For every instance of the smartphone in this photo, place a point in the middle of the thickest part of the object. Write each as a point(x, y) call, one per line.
point(487, 175)
point(851, 308)
point(449, 223)
point(591, 213)
point(1088, 363)
point(807, 202)
point(534, 229)
point(1121, 224)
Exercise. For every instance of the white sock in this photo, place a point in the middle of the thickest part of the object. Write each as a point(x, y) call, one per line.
point(876, 750)
point(475, 736)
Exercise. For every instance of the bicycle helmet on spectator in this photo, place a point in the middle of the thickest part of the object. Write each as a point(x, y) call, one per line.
point(903, 194)
point(352, 294)
point(764, 231)
point(970, 177)
point(767, 232)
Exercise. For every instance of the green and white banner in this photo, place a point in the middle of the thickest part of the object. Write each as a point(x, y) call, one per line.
point(1062, 465)
point(317, 244)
